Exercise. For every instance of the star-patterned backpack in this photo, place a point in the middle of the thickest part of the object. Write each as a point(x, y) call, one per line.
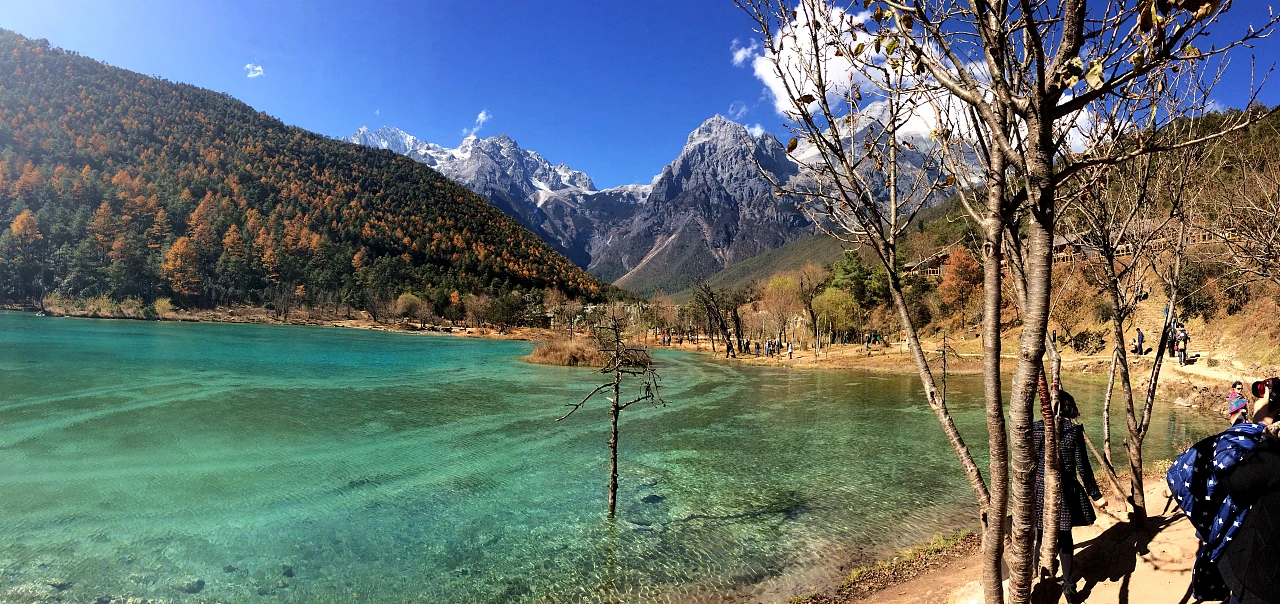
point(1194, 482)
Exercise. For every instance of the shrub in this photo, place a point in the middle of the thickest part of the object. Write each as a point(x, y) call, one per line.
point(1089, 341)
point(570, 352)
point(408, 306)
point(58, 304)
point(133, 308)
point(102, 306)
point(164, 307)
point(1103, 310)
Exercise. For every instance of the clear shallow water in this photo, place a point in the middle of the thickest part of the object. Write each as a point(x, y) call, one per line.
point(138, 457)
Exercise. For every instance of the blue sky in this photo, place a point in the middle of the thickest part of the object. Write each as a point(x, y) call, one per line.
point(610, 88)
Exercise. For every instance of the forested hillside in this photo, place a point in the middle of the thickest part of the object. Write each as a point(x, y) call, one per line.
point(114, 183)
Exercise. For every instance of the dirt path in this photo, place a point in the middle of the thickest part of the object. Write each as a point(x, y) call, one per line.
point(1115, 564)
point(932, 588)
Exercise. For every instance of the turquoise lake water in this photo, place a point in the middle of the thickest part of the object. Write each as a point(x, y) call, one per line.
point(137, 458)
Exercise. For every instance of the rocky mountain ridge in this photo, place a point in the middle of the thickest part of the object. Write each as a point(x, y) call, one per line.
point(708, 208)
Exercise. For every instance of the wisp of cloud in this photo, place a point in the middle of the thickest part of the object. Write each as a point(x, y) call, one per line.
point(480, 120)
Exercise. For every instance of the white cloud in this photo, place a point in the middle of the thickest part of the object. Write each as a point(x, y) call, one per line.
point(483, 117)
point(756, 130)
point(742, 53)
point(737, 110)
point(254, 70)
point(926, 113)
point(796, 40)
point(377, 112)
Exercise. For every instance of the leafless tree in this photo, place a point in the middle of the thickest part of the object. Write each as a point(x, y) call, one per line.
point(1246, 212)
point(713, 304)
point(1130, 222)
point(810, 279)
point(1007, 83)
point(623, 361)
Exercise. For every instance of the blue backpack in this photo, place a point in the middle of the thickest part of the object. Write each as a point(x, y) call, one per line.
point(1194, 482)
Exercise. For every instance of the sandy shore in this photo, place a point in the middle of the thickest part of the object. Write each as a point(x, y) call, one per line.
point(1202, 384)
point(1115, 562)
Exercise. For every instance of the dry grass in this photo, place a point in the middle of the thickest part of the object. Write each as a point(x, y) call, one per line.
point(867, 580)
point(103, 307)
point(566, 351)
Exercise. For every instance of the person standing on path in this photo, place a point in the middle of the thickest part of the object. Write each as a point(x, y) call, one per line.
point(1141, 342)
point(1073, 505)
point(1181, 342)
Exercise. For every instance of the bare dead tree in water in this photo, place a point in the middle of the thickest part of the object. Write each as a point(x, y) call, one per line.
point(624, 362)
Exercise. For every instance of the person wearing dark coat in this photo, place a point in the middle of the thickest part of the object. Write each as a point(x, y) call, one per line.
point(1074, 508)
point(1250, 563)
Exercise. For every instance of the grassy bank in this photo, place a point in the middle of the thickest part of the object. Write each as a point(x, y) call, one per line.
point(910, 564)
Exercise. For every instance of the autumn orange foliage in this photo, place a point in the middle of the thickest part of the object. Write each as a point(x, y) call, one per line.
point(143, 186)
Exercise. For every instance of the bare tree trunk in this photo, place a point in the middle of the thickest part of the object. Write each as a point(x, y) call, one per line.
point(622, 360)
point(1138, 425)
point(737, 329)
point(817, 337)
point(614, 410)
point(1133, 448)
point(1052, 473)
point(1106, 416)
point(1117, 487)
point(1038, 271)
point(936, 401)
point(998, 467)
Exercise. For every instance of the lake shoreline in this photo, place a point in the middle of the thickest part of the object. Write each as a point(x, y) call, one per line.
point(1202, 384)
point(256, 315)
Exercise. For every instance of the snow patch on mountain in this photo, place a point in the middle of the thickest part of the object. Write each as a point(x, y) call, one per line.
point(496, 162)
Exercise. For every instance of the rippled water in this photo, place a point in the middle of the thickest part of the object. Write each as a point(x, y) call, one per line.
point(139, 458)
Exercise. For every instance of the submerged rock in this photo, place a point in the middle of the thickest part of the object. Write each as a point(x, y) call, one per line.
point(286, 570)
point(122, 600)
point(193, 587)
point(229, 569)
point(653, 499)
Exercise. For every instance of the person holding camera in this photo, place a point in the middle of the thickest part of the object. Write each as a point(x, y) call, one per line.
point(1228, 485)
point(1250, 563)
point(1267, 392)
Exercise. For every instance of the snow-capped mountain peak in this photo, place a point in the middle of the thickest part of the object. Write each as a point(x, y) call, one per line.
point(496, 162)
point(709, 207)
